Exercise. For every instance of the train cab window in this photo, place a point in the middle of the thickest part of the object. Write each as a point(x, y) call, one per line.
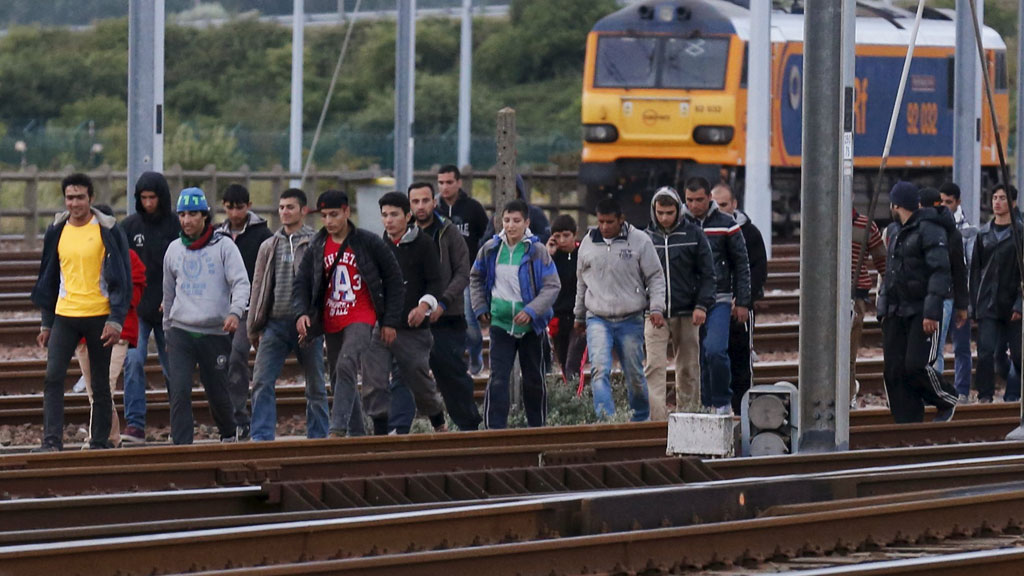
point(1001, 83)
point(695, 63)
point(950, 80)
point(626, 62)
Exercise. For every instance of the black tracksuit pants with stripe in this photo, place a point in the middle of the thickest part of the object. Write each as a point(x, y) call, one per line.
point(910, 380)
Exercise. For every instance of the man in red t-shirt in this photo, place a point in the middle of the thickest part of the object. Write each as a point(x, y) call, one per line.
point(348, 281)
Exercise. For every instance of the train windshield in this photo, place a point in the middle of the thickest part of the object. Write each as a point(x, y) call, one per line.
point(661, 62)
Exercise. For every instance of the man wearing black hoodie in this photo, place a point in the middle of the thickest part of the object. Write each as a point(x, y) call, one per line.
point(917, 280)
point(150, 230)
point(248, 230)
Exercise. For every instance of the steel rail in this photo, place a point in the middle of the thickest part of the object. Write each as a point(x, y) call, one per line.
point(650, 529)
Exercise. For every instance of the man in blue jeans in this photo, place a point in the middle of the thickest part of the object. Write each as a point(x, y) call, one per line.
point(271, 328)
point(732, 292)
point(150, 231)
point(961, 329)
point(618, 279)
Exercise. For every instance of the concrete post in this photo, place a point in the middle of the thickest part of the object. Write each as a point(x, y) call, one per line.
point(821, 181)
point(505, 177)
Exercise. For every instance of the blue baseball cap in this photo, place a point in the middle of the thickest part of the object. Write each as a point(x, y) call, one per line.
point(192, 200)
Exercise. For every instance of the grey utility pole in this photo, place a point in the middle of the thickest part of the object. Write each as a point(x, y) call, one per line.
point(145, 91)
point(757, 200)
point(295, 129)
point(465, 82)
point(405, 72)
point(844, 320)
point(967, 112)
point(1020, 103)
point(820, 186)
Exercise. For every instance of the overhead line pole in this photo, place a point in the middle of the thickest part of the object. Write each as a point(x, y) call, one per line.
point(465, 83)
point(145, 91)
point(757, 199)
point(820, 185)
point(967, 113)
point(295, 123)
point(405, 62)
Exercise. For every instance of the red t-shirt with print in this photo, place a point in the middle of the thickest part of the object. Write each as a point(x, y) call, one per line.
point(348, 299)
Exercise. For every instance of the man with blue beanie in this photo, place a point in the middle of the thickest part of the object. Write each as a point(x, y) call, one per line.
point(206, 291)
point(917, 281)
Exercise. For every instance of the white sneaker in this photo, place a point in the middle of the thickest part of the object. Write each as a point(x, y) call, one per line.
point(79, 386)
point(724, 410)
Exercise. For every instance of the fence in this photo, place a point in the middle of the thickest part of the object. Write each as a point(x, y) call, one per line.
point(25, 215)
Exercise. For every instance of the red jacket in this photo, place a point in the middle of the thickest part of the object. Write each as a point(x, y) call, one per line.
point(130, 330)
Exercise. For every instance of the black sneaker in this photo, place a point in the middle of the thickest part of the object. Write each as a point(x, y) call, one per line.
point(45, 448)
point(945, 415)
point(242, 433)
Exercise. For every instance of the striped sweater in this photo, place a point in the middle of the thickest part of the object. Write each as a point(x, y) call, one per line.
point(876, 254)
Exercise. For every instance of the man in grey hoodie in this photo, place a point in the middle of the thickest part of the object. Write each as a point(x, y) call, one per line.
point(618, 279)
point(204, 277)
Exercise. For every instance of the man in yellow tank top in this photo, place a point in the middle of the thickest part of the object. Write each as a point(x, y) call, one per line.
point(83, 292)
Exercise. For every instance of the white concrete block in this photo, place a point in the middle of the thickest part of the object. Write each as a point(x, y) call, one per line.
point(700, 435)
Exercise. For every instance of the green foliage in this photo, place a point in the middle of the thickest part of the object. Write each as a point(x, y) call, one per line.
point(216, 146)
point(237, 77)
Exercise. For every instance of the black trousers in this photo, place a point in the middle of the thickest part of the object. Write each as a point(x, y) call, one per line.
point(741, 342)
point(568, 347)
point(910, 379)
point(993, 337)
point(211, 352)
point(448, 363)
point(64, 337)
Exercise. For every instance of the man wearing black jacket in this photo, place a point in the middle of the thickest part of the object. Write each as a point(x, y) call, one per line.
point(448, 321)
point(685, 257)
point(917, 280)
point(470, 219)
point(732, 292)
point(150, 231)
point(348, 282)
point(248, 230)
point(995, 295)
point(741, 334)
point(568, 346)
point(411, 349)
point(930, 198)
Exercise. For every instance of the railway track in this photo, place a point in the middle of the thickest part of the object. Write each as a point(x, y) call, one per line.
point(650, 515)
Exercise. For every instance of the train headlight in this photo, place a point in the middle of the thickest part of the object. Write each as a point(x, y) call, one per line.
point(600, 133)
point(713, 134)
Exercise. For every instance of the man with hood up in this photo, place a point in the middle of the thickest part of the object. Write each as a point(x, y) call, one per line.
point(732, 292)
point(150, 231)
point(206, 291)
point(248, 230)
point(685, 256)
point(917, 280)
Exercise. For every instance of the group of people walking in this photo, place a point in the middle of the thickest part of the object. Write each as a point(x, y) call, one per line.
point(401, 312)
point(940, 273)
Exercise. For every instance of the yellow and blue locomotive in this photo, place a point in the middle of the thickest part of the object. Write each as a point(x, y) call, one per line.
point(665, 94)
